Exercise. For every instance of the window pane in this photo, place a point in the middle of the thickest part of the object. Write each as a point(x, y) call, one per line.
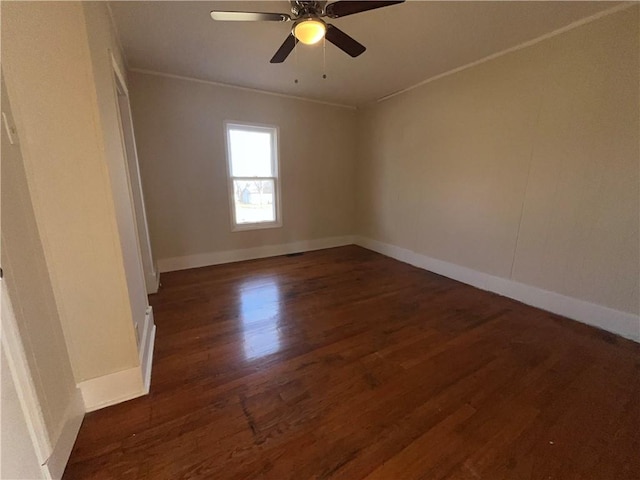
point(254, 201)
point(250, 153)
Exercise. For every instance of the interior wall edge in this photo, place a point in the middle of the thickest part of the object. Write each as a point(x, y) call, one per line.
point(625, 324)
point(116, 36)
point(230, 256)
point(18, 366)
point(63, 446)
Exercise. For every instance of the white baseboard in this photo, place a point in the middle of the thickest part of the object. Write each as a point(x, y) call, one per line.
point(229, 256)
point(621, 323)
point(152, 281)
point(146, 352)
point(117, 387)
point(57, 461)
point(126, 384)
point(156, 287)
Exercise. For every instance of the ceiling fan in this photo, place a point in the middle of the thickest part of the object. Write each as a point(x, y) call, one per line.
point(308, 26)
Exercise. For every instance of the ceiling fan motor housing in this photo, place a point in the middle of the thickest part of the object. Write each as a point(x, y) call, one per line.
point(301, 8)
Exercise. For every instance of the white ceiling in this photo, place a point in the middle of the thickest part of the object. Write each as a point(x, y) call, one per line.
point(406, 43)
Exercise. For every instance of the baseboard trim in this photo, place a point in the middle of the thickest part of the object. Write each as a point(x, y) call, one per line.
point(111, 389)
point(621, 323)
point(146, 352)
point(57, 461)
point(157, 284)
point(126, 384)
point(152, 280)
point(230, 256)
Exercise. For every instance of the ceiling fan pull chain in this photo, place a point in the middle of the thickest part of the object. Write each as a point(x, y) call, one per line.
point(297, 70)
point(324, 57)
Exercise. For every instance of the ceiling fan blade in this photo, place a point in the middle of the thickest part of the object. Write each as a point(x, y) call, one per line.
point(285, 49)
point(250, 16)
point(345, 7)
point(343, 41)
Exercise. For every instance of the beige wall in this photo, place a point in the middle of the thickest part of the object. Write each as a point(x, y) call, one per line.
point(104, 51)
point(524, 167)
point(26, 278)
point(56, 101)
point(180, 138)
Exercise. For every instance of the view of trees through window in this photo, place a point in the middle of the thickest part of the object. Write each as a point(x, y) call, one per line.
point(254, 201)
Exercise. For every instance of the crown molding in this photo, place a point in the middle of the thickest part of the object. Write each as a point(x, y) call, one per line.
point(520, 46)
point(238, 87)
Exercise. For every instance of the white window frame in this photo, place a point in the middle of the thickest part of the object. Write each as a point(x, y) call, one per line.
point(275, 159)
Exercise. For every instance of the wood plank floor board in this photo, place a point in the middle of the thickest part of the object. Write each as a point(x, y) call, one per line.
point(344, 364)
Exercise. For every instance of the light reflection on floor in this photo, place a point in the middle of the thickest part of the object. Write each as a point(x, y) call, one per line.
point(259, 302)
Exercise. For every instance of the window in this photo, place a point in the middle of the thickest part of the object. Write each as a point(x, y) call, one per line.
point(254, 190)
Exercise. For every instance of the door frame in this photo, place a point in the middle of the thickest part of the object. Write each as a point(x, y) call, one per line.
point(125, 120)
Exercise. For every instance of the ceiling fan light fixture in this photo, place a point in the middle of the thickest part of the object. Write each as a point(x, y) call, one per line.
point(310, 31)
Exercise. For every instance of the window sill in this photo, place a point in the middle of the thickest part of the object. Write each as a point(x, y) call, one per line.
point(255, 226)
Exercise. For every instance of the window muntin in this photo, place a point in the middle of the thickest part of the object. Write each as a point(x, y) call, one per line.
point(253, 176)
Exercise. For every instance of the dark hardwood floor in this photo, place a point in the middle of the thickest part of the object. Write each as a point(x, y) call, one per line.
point(346, 364)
